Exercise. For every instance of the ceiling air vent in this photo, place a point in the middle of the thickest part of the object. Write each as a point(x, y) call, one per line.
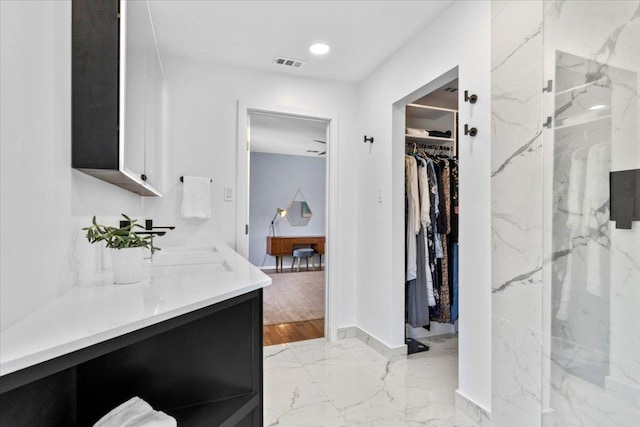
point(288, 62)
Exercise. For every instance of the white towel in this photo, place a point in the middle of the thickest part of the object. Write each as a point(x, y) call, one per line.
point(152, 419)
point(135, 412)
point(196, 199)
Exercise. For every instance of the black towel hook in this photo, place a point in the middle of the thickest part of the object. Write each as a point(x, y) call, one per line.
point(471, 99)
point(470, 131)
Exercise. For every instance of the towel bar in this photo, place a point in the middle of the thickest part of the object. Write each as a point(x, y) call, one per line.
point(182, 179)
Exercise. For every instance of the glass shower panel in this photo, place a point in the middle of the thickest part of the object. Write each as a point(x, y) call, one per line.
point(591, 273)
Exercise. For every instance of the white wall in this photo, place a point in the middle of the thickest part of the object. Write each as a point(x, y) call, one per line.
point(44, 202)
point(201, 134)
point(275, 180)
point(459, 37)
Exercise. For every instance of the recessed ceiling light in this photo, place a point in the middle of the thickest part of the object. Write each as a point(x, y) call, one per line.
point(597, 107)
point(319, 49)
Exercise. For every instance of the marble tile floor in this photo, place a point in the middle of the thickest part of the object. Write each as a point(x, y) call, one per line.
point(346, 383)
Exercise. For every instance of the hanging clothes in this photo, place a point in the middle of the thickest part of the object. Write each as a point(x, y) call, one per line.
point(425, 221)
point(413, 215)
point(432, 251)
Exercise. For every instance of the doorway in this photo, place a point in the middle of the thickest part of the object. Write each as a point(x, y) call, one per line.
point(287, 221)
point(426, 122)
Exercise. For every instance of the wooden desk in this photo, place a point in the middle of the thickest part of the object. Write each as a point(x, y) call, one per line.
point(283, 246)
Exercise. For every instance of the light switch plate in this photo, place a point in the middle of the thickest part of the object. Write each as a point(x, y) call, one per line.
point(228, 194)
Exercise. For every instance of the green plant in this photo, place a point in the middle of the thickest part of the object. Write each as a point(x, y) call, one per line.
point(119, 238)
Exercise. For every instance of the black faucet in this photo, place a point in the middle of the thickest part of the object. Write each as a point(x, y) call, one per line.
point(148, 227)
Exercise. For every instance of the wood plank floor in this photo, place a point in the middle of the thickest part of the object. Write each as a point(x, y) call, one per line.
point(291, 332)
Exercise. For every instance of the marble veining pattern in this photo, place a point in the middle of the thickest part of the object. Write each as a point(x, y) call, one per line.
point(347, 383)
point(517, 212)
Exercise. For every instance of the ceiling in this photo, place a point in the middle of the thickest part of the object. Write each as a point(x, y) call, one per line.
point(362, 34)
point(287, 135)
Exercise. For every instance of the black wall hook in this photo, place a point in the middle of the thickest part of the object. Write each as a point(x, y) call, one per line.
point(471, 99)
point(470, 131)
point(370, 139)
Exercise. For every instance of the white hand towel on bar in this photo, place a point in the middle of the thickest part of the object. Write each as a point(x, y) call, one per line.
point(196, 198)
point(135, 412)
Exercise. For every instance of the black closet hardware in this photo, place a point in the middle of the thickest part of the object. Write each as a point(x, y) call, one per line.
point(143, 177)
point(370, 139)
point(182, 179)
point(549, 87)
point(471, 99)
point(548, 123)
point(470, 131)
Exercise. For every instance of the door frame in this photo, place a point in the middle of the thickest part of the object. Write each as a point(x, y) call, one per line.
point(244, 109)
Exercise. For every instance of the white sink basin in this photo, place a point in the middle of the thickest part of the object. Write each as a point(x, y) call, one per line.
point(187, 256)
point(190, 269)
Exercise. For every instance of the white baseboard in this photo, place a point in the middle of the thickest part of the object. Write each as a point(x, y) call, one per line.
point(435, 329)
point(348, 332)
point(388, 352)
point(472, 410)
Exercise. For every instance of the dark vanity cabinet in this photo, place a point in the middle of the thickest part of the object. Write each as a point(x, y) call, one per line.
point(117, 89)
point(204, 368)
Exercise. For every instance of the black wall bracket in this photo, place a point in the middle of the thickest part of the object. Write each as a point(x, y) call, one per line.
point(624, 187)
point(471, 99)
point(470, 131)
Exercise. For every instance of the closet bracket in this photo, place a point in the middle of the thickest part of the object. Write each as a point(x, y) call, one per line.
point(549, 87)
point(548, 123)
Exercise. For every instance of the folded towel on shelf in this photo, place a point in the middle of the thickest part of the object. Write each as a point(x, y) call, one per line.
point(417, 132)
point(196, 198)
point(428, 132)
point(153, 419)
point(135, 412)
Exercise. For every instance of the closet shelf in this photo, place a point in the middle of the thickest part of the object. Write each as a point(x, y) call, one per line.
point(427, 111)
point(226, 412)
point(428, 138)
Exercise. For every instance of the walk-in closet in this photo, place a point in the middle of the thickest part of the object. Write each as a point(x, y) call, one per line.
point(431, 217)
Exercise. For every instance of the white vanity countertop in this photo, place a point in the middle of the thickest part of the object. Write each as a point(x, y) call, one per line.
point(87, 315)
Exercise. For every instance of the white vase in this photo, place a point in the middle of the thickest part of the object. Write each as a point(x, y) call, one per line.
point(127, 265)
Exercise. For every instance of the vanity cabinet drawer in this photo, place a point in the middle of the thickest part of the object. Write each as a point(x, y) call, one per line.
point(279, 246)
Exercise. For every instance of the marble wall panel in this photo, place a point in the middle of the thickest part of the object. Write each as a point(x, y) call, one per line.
point(516, 36)
point(516, 120)
point(517, 273)
point(517, 184)
point(517, 377)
